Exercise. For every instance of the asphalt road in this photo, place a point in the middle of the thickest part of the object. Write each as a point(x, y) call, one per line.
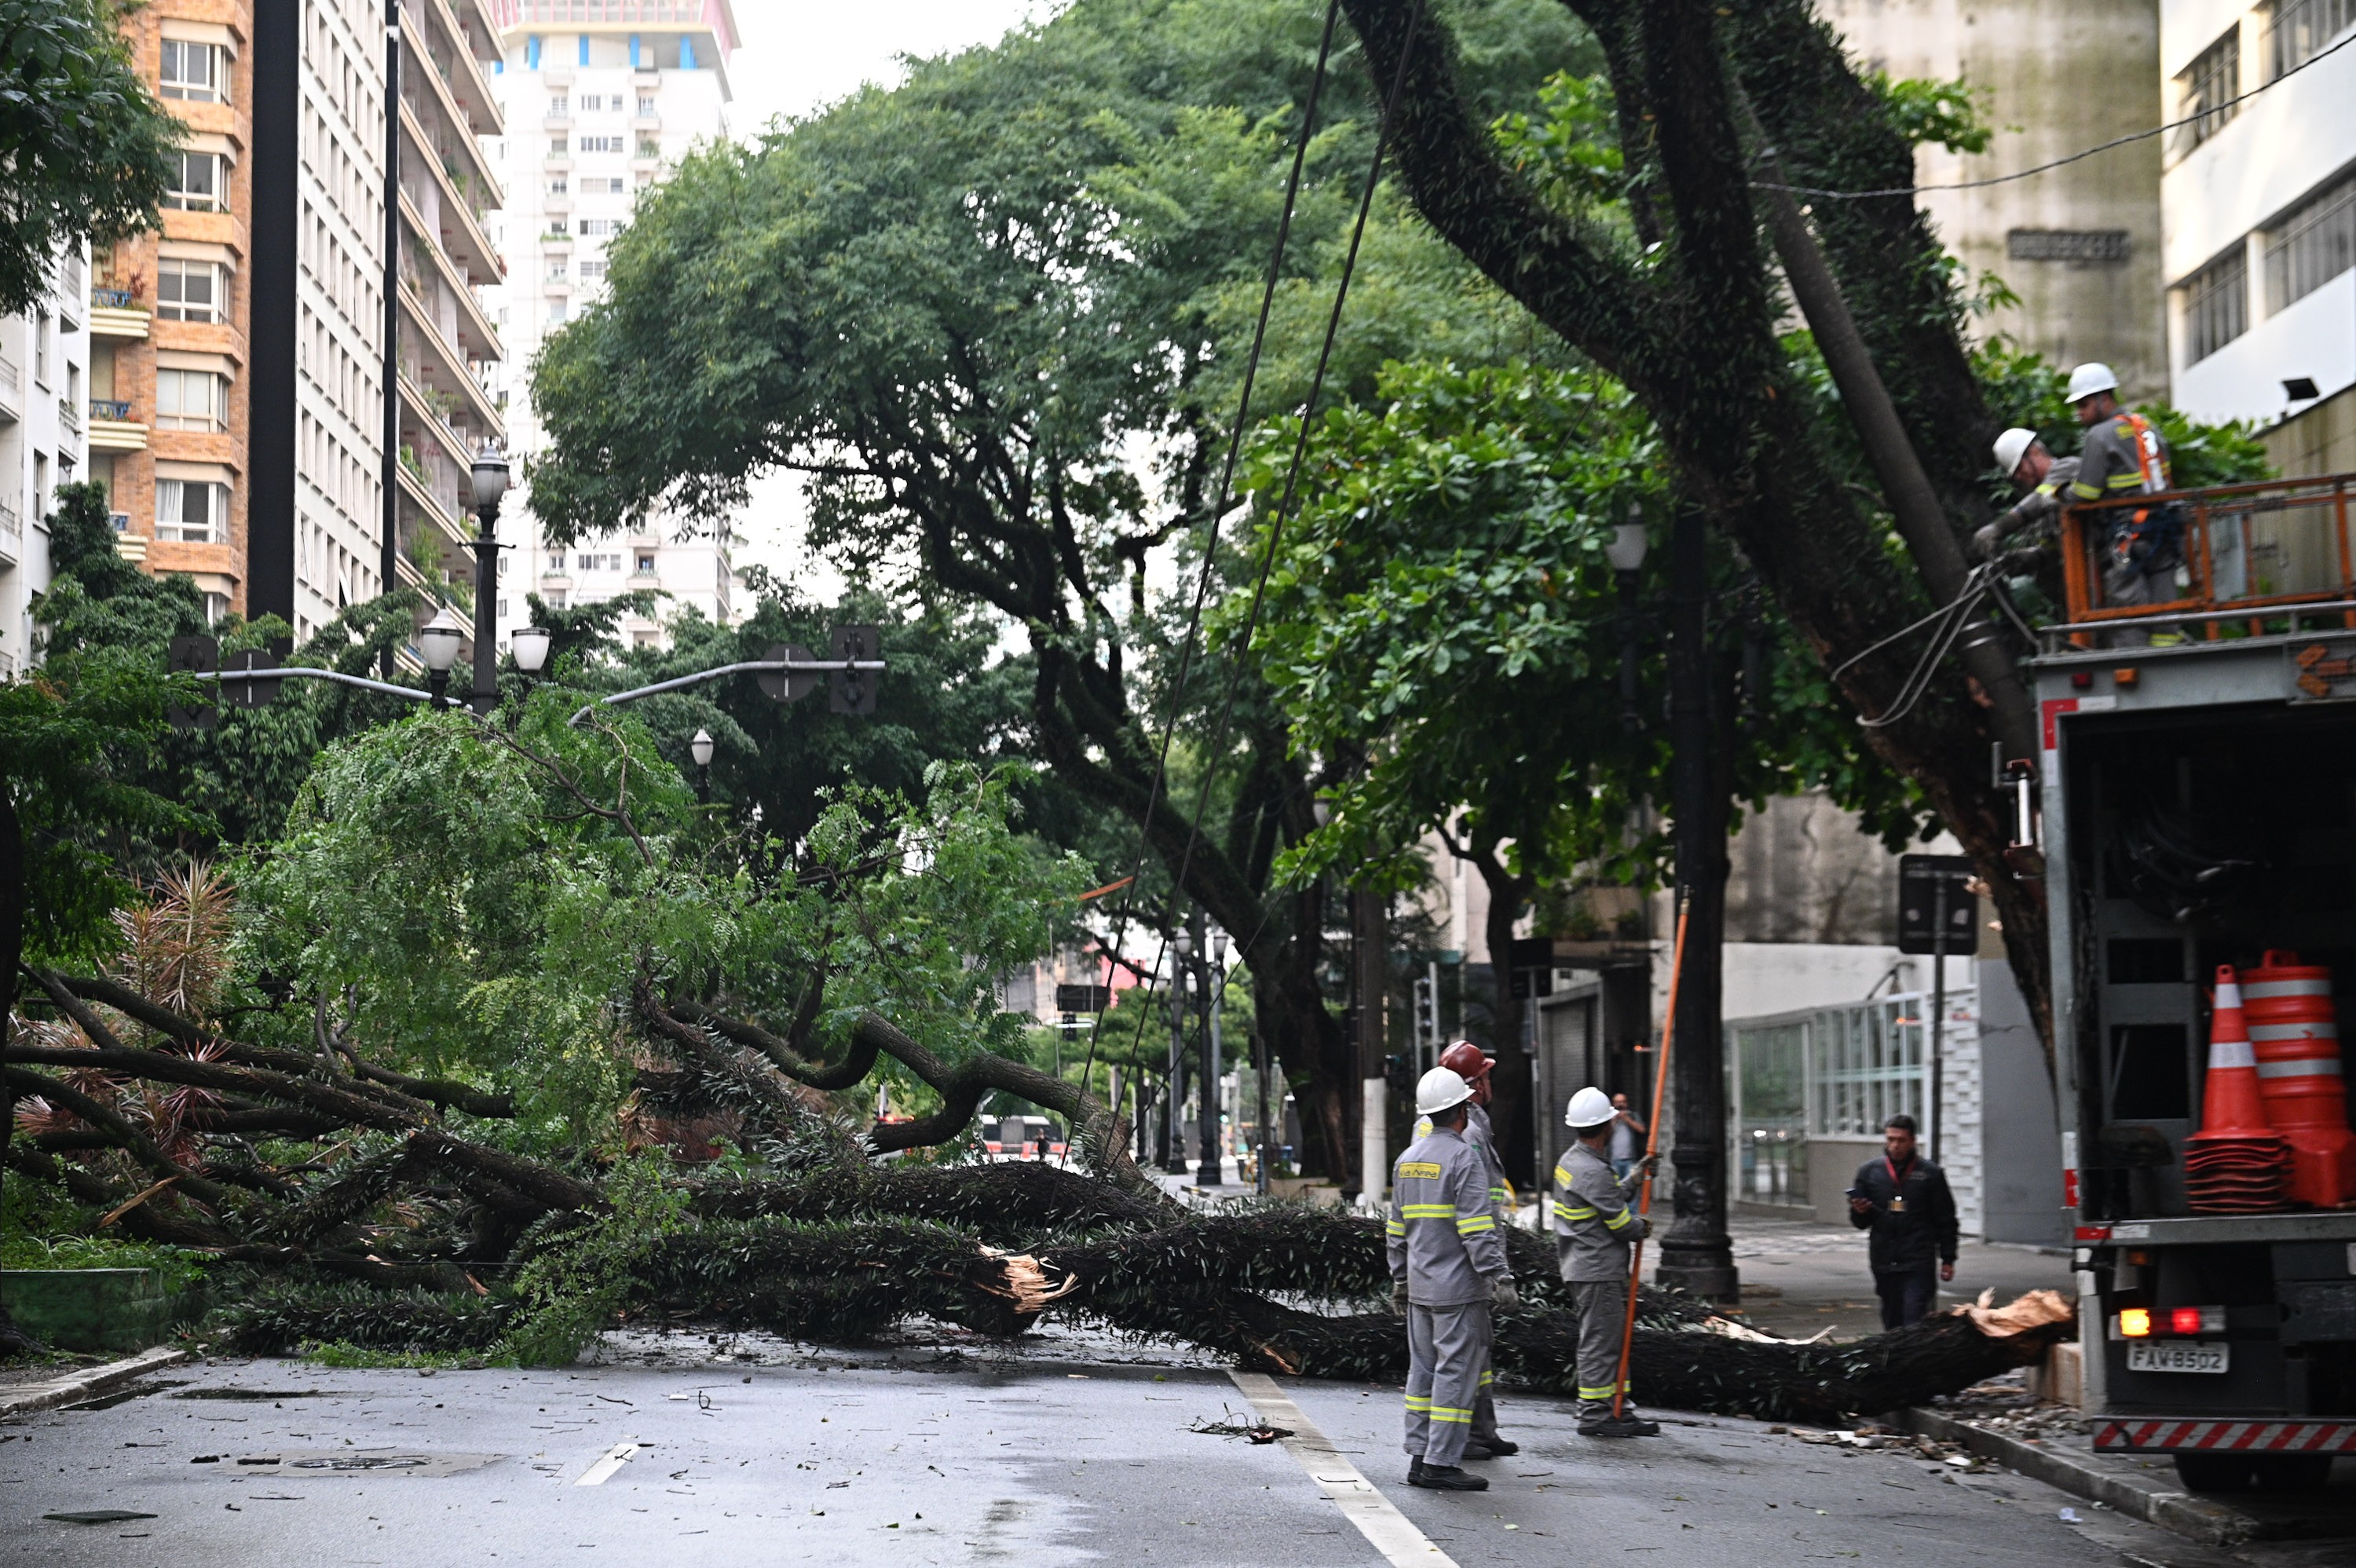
point(907, 1459)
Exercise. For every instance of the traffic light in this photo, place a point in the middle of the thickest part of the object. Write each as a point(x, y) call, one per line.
point(854, 690)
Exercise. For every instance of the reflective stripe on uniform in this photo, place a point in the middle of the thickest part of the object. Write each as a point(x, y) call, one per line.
point(1448, 1412)
point(1606, 1392)
point(1619, 1221)
point(1395, 1227)
point(1419, 1401)
point(1475, 1223)
point(1427, 1211)
point(1564, 1213)
point(1487, 1377)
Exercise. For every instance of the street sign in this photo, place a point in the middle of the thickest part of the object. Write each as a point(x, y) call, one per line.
point(194, 655)
point(1083, 998)
point(251, 693)
point(788, 686)
point(854, 690)
point(1919, 877)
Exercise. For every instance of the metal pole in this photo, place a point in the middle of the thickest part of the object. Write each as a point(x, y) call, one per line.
point(1374, 1090)
point(486, 695)
point(1259, 1109)
point(1934, 1036)
point(390, 553)
point(1174, 1129)
point(1206, 1169)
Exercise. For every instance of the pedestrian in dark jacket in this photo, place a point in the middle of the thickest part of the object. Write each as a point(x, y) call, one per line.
point(1903, 1198)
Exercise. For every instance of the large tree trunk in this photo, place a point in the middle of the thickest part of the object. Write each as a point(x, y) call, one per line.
point(12, 1340)
point(1511, 1080)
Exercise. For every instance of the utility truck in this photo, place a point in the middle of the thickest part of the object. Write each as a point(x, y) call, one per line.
point(2197, 796)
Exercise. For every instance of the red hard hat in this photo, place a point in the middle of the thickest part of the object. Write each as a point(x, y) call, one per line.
point(1466, 1060)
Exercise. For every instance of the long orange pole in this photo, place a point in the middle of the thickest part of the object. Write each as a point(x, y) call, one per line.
point(1652, 1146)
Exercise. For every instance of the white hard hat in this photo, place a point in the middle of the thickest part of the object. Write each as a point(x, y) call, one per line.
point(2087, 379)
point(1589, 1108)
point(2011, 447)
point(1440, 1090)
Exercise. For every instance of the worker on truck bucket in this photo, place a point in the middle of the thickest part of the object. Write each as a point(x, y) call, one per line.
point(1448, 1268)
point(2040, 476)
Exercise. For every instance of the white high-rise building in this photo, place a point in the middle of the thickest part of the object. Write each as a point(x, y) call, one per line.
point(2258, 213)
point(600, 98)
point(43, 404)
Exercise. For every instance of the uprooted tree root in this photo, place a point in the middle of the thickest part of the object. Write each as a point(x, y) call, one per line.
point(399, 1232)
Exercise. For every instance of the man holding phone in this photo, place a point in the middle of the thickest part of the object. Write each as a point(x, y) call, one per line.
point(1903, 1200)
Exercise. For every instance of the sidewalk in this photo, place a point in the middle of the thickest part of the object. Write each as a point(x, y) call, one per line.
point(1800, 1278)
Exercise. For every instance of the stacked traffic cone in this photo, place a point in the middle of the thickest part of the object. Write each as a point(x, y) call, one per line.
point(2294, 1031)
point(2235, 1164)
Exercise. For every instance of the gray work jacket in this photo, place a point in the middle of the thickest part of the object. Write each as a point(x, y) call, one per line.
point(1483, 1136)
point(1592, 1221)
point(1442, 1232)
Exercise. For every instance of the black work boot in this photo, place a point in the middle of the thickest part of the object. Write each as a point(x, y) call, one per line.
point(1447, 1479)
point(1620, 1427)
point(1415, 1471)
point(1491, 1449)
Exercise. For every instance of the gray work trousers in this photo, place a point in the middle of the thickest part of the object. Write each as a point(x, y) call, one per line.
point(1603, 1308)
point(1447, 1366)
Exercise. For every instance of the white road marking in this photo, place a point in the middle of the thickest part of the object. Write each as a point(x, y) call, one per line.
point(613, 1458)
point(1386, 1530)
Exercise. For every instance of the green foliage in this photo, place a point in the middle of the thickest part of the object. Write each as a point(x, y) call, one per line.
point(89, 151)
point(1935, 113)
point(1447, 569)
point(1569, 150)
point(580, 1275)
point(40, 1228)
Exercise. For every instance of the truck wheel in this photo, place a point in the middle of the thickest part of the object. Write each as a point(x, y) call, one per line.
point(2293, 1472)
point(2213, 1472)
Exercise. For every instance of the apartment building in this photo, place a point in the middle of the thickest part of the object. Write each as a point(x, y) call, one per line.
point(252, 427)
point(47, 405)
point(2259, 207)
point(600, 97)
point(2079, 247)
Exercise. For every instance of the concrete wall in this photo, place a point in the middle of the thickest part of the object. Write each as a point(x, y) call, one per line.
point(2318, 438)
point(2058, 78)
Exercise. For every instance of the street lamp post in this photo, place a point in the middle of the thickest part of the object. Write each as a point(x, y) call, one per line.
point(701, 749)
point(1182, 946)
point(1626, 554)
point(529, 645)
point(490, 477)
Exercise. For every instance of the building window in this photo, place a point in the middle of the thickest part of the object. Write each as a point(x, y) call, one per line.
point(646, 563)
point(198, 72)
point(649, 148)
point(189, 400)
point(558, 146)
point(188, 290)
point(191, 510)
point(2209, 86)
point(199, 185)
point(216, 606)
point(560, 106)
point(2298, 30)
point(599, 227)
point(2216, 305)
point(592, 271)
point(556, 186)
point(556, 313)
point(556, 269)
point(2314, 244)
point(646, 104)
point(40, 348)
point(601, 143)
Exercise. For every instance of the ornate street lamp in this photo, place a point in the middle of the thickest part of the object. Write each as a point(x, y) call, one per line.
point(490, 477)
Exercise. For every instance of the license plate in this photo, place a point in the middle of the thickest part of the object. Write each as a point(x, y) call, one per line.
point(2179, 1356)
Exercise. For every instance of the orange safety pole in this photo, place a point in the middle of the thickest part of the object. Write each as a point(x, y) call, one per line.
point(1651, 1146)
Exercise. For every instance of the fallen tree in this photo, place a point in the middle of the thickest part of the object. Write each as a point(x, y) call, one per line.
point(378, 1210)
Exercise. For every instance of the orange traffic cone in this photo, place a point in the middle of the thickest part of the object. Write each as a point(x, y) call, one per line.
point(2295, 1030)
point(2235, 1164)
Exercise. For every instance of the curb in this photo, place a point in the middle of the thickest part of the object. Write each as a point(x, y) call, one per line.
point(75, 1387)
point(2135, 1492)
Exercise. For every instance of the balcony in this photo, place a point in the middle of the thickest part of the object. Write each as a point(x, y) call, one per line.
point(117, 312)
point(461, 233)
point(11, 389)
point(114, 430)
point(470, 308)
point(68, 414)
point(463, 75)
point(442, 373)
point(12, 535)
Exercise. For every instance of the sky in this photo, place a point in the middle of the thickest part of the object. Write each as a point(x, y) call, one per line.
point(797, 56)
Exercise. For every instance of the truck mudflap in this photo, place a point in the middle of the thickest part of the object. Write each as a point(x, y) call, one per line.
point(2165, 1435)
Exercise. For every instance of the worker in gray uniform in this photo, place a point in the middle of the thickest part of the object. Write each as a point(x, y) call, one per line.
point(1472, 1065)
point(1448, 1268)
point(1594, 1227)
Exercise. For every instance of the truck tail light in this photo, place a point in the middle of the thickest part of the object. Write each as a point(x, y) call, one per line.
point(2197, 1320)
point(2134, 1322)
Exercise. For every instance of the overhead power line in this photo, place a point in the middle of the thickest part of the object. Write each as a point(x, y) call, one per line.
point(2074, 157)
